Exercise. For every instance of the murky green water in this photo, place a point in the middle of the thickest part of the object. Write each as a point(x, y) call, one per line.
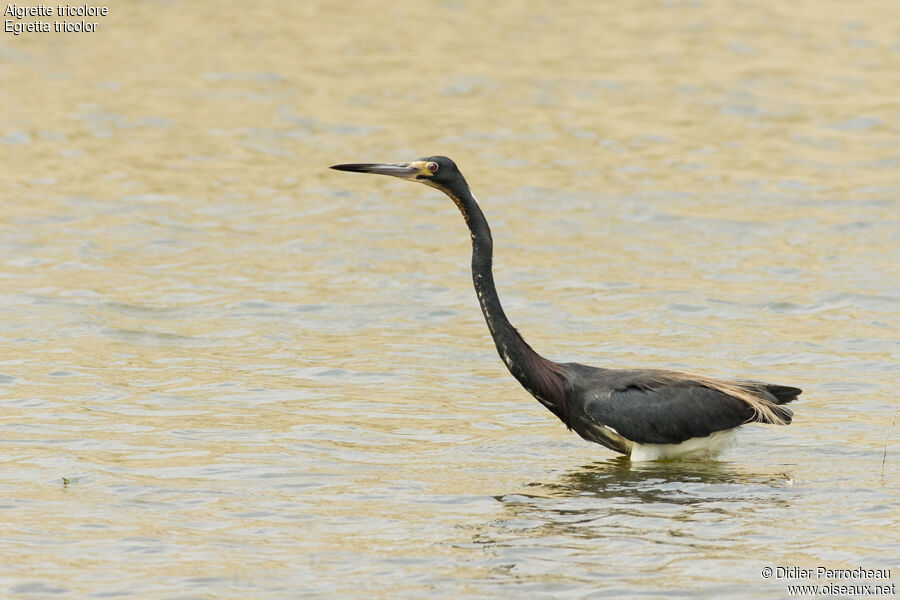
point(228, 372)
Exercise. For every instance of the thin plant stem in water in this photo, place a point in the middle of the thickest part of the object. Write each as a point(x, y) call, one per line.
point(884, 454)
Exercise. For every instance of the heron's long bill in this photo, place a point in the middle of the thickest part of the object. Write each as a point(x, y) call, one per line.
point(407, 170)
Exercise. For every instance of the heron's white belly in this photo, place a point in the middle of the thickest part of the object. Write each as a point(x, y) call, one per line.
point(696, 448)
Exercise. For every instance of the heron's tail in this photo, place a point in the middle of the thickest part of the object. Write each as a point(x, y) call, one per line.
point(783, 393)
point(776, 414)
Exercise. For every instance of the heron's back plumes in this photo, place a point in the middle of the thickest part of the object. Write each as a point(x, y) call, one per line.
point(765, 399)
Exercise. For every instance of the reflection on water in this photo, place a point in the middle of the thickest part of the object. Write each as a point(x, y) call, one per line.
point(640, 515)
point(666, 481)
point(617, 498)
point(227, 371)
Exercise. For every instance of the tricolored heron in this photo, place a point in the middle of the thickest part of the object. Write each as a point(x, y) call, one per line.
point(648, 414)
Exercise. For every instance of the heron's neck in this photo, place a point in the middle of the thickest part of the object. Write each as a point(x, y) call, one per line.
point(541, 377)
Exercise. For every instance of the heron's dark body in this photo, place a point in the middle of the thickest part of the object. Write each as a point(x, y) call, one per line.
point(618, 408)
point(651, 407)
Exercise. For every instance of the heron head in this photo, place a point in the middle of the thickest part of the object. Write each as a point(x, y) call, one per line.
point(436, 171)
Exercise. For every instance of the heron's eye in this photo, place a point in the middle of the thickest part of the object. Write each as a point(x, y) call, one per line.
point(433, 167)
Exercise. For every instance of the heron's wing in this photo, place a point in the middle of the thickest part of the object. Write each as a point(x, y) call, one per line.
point(667, 413)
